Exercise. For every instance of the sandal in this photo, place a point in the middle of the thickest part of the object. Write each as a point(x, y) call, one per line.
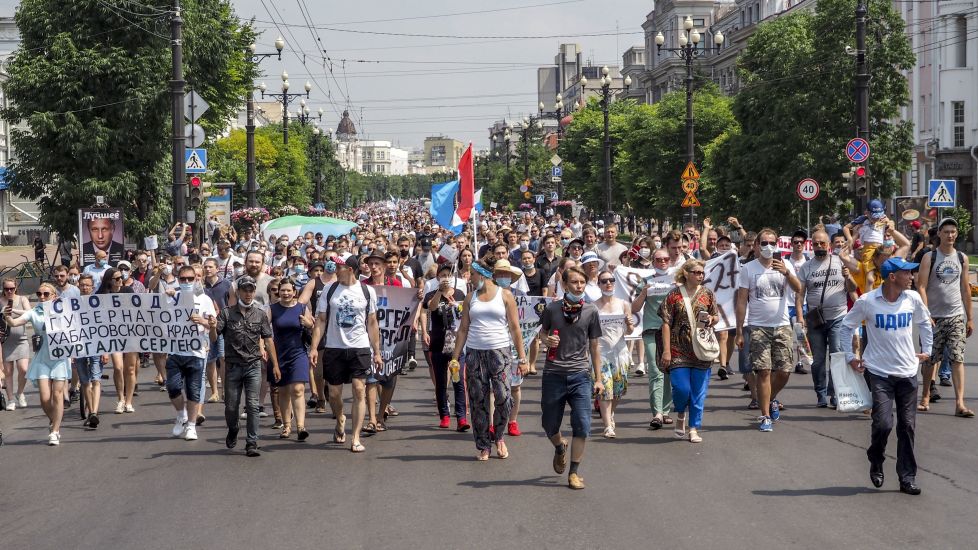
point(923, 407)
point(286, 432)
point(302, 433)
point(667, 420)
point(965, 413)
point(483, 456)
point(357, 448)
point(381, 427)
point(320, 410)
point(339, 432)
point(369, 429)
point(694, 436)
point(680, 429)
point(391, 411)
point(656, 424)
point(214, 399)
point(501, 451)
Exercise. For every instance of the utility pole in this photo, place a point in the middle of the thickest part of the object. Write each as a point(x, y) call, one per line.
point(862, 85)
point(176, 90)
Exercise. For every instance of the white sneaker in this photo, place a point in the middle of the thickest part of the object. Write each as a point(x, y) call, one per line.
point(120, 407)
point(12, 404)
point(243, 416)
point(179, 427)
point(640, 370)
point(191, 433)
point(130, 409)
point(609, 432)
point(54, 439)
point(261, 413)
point(21, 400)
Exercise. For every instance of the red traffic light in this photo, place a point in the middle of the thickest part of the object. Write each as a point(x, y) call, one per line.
point(195, 182)
point(860, 171)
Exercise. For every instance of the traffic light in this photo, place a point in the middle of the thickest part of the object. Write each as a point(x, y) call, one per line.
point(196, 191)
point(861, 180)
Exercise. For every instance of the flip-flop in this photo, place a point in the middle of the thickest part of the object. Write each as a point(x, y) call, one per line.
point(656, 424)
point(965, 413)
point(923, 407)
point(357, 448)
point(503, 454)
point(483, 456)
point(339, 437)
point(381, 427)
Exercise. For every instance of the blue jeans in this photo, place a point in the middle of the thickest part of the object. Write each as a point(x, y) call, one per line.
point(238, 377)
point(185, 372)
point(89, 369)
point(559, 390)
point(824, 337)
point(217, 350)
point(743, 354)
point(945, 370)
point(689, 387)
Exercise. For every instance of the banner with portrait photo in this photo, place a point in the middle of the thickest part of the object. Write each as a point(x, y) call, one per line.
point(397, 311)
point(100, 229)
point(99, 324)
point(530, 309)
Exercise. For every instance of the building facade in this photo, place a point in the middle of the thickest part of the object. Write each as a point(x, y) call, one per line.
point(380, 157)
point(441, 154)
point(349, 153)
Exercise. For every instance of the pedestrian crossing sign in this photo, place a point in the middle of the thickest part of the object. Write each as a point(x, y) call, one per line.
point(195, 161)
point(942, 194)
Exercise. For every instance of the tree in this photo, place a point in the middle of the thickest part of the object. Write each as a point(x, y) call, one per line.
point(582, 151)
point(89, 87)
point(796, 111)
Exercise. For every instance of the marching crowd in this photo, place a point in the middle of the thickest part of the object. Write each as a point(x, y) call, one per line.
point(291, 322)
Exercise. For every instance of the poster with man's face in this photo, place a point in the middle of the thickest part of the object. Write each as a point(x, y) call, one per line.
point(100, 229)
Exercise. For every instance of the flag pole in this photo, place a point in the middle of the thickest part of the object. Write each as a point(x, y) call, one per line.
point(475, 214)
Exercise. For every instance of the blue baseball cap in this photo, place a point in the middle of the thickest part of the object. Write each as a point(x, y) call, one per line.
point(876, 209)
point(896, 264)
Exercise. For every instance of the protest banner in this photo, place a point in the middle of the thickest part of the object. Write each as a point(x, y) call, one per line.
point(100, 229)
point(721, 278)
point(628, 280)
point(98, 324)
point(530, 308)
point(397, 310)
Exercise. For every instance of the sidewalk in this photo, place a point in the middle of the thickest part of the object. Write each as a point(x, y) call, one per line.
point(13, 255)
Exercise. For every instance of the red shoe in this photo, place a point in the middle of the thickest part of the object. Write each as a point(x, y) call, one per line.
point(463, 425)
point(514, 429)
point(445, 422)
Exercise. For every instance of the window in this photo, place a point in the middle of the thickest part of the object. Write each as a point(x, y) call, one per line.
point(437, 156)
point(757, 11)
point(750, 14)
point(960, 43)
point(957, 130)
point(699, 23)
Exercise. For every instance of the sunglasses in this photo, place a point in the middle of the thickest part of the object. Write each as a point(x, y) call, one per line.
point(797, 242)
point(116, 278)
point(187, 279)
point(43, 294)
point(769, 243)
point(605, 281)
point(9, 289)
point(660, 259)
point(697, 273)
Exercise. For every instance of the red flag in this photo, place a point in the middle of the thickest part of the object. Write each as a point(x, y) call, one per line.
point(466, 177)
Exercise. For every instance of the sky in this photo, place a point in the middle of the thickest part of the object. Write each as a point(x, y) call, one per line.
point(456, 81)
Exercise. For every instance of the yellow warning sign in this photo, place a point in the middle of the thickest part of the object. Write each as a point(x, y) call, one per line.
point(691, 173)
point(691, 201)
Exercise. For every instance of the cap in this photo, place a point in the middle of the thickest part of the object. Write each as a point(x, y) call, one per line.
point(315, 264)
point(915, 224)
point(947, 221)
point(896, 264)
point(124, 265)
point(348, 260)
point(246, 281)
point(504, 265)
point(876, 209)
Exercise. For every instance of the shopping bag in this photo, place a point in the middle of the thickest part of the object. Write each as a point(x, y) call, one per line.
point(803, 351)
point(851, 391)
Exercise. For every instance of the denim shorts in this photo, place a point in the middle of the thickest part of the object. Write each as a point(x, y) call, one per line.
point(217, 349)
point(184, 372)
point(89, 369)
point(558, 390)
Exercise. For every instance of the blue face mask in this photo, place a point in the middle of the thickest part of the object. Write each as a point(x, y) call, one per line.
point(187, 287)
point(330, 267)
point(299, 269)
point(101, 263)
point(890, 242)
point(504, 282)
point(571, 297)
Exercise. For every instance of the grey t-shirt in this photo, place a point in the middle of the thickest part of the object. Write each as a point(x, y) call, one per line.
point(812, 276)
point(573, 353)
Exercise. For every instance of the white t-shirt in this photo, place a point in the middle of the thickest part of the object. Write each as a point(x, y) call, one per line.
point(203, 306)
point(347, 327)
point(768, 294)
point(889, 332)
point(871, 232)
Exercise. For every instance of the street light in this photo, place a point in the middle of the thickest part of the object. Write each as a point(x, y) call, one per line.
point(606, 96)
point(251, 186)
point(285, 98)
point(317, 156)
point(688, 50)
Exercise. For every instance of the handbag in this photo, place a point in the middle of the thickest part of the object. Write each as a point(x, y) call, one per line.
point(814, 317)
point(705, 344)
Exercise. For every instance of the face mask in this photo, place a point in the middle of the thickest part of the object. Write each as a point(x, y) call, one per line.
point(657, 244)
point(524, 245)
point(565, 242)
point(660, 271)
point(73, 279)
point(101, 263)
point(767, 252)
point(238, 271)
point(330, 267)
point(479, 285)
point(299, 269)
point(443, 281)
point(308, 242)
point(381, 249)
point(198, 288)
point(246, 305)
point(186, 287)
point(889, 242)
point(167, 269)
point(645, 252)
point(821, 253)
point(571, 297)
point(528, 266)
point(504, 282)
point(607, 292)
point(403, 253)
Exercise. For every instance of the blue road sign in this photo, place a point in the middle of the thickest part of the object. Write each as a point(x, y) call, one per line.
point(195, 161)
point(857, 150)
point(557, 171)
point(3, 178)
point(942, 193)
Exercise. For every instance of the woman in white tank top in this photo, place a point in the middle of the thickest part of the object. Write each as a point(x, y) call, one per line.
point(490, 322)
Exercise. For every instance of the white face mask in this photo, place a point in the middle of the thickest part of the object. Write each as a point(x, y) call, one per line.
point(167, 269)
point(767, 252)
point(657, 244)
point(607, 292)
point(238, 271)
point(246, 305)
point(645, 252)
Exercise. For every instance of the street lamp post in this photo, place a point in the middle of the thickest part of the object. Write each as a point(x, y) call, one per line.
point(251, 186)
point(606, 96)
point(507, 137)
point(304, 116)
point(285, 97)
point(688, 50)
point(317, 155)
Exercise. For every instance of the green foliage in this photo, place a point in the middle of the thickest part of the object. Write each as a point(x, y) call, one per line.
point(530, 159)
point(89, 89)
point(963, 217)
point(796, 110)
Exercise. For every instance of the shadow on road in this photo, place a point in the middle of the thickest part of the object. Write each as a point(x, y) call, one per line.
point(542, 481)
point(822, 491)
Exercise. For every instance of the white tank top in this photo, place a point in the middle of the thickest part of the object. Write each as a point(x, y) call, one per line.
point(487, 323)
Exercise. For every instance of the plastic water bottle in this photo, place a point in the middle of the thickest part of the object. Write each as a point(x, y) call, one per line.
point(552, 350)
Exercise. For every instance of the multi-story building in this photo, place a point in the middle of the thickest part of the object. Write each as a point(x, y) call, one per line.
point(441, 154)
point(379, 157)
point(415, 162)
point(633, 65)
point(564, 77)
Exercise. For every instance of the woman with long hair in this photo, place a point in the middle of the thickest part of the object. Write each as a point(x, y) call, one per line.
point(490, 323)
point(50, 376)
point(16, 346)
point(124, 365)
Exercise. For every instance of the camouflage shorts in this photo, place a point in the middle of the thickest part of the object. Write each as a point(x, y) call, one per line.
point(949, 333)
point(771, 348)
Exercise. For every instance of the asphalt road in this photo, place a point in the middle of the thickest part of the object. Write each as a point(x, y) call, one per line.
point(129, 485)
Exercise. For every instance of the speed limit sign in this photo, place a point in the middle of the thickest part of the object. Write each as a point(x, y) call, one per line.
point(807, 189)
